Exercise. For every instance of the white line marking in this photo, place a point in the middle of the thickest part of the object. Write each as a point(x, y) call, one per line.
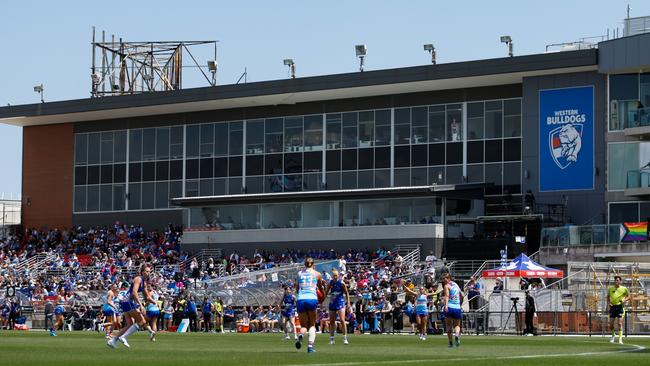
point(635, 348)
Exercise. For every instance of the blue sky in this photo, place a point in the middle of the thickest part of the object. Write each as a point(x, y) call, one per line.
point(49, 42)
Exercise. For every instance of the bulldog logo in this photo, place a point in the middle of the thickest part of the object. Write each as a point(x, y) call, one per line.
point(565, 143)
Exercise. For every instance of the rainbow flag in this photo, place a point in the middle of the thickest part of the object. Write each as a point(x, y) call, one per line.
point(635, 231)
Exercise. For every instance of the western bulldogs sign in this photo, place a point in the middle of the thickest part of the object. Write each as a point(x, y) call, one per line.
point(566, 139)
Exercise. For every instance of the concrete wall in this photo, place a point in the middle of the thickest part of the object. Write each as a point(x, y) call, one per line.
point(583, 206)
point(47, 176)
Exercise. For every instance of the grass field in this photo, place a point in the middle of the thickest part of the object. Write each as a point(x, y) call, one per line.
point(79, 348)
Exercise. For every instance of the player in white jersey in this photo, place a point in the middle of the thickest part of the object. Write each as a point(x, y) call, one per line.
point(308, 286)
point(109, 309)
point(134, 308)
point(451, 302)
point(421, 310)
point(152, 311)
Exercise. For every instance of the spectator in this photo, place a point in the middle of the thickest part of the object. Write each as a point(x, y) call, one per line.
point(498, 287)
point(473, 289)
point(191, 314)
point(207, 315)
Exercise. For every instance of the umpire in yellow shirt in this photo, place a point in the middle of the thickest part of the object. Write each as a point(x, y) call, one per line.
point(617, 295)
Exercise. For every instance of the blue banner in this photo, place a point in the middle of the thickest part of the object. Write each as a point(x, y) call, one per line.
point(566, 139)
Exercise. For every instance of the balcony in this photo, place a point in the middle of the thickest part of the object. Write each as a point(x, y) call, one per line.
point(638, 183)
point(637, 122)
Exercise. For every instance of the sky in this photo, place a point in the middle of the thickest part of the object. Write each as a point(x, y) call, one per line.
point(49, 42)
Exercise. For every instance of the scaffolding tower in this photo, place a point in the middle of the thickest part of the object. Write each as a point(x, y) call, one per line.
point(120, 68)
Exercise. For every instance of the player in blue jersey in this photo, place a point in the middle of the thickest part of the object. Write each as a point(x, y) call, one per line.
point(308, 284)
point(152, 311)
point(59, 312)
point(339, 301)
point(451, 302)
point(134, 308)
point(109, 309)
point(288, 312)
point(421, 310)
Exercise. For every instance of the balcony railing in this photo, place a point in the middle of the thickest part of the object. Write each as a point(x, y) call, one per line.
point(639, 178)
point(638, 118)
point(581, 235)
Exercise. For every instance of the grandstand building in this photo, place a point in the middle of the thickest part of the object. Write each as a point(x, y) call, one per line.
point(398, 156)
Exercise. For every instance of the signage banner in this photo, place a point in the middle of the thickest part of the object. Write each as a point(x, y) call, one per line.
point(566, 139)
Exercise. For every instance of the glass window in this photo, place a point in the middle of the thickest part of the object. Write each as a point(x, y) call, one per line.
point(162, 143)
point(220, 167)
point(293, 134)
point(106, 197)
point(382, 178)
point(148, 196)
point(365, 179)
point(419, 155)
point(419, 177)
point(119, 145)
point(92, 203)
point(94, 142)
point(493, 120)
point(623, 212)
point(221, 139)
point(437, 127)
point(621, 158)
point(176, 143)
point(135, 172)
point(350, 129)
point(454, 153)
point(192, 141)
point(313, 161)
point(134, 196)
point(382, 157)
point(220, 186)
point(644, 89)
point(107, 147)
point(273, 164)
point(206, 168)
point(293, 163)
point(313, 132)
point(366, 158)
point(512, 126)
point(148, 171)
point(119, 193)
point(192, 168)
point(333, 131)
point(402, 126)
point(316, 214)
point(205, 187)
point(366, 128)
point(333, 181)
point(350, 214)
point(282, 216)
point(475, 152)
point(624, 87)
point(475, 116)
point(402, 156)
point(436, 154)
point(162, 170)
point(192, 188)
point(148, 144)
point(349, 159)
point(349, 180)
point(454, 174)
point(79, 199)
point(382, 127)
point(176, 169)
point(80, 176)
point(474, 173)
point(512, 107)
point(106, 172)
point(419, 123)
point(455, 122)
point(493, 175)
point(236, 138)
point(255, 137)
point(81, 150)
point(207, 139)
point(437, 175)
point(402, 177)
point(512, 178)
point(493, 150)
point(254, 185)
point(254, 165)
point(93, 174)
point(119, 173)
point(273, 135)
point(511, 150)
point(235, 186)
point(175, 189)
point(311, 182)
point(235, 166)
point(333, 160)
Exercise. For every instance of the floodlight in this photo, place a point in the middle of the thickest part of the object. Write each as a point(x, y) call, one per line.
point(432, 50)
point(212, 65)
point(147, 77)
point(292, 66)
point(361, 49)
point(39, 89)
point(508, 41)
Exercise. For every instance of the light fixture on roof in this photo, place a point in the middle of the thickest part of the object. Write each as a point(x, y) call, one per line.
point(39, 89)
point(507, 40)
point(432, 50)
point(292, 66)
point(361, 51)
point(213, 66)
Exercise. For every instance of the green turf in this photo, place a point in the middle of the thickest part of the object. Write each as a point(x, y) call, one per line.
point(79, 348)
